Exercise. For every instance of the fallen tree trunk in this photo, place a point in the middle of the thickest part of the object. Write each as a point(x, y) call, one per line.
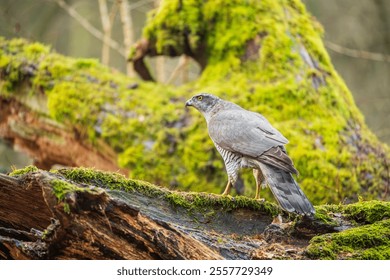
point(86, 214)
point(97, 226)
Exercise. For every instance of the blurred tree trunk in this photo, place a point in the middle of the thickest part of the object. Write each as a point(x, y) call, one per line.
point(106, 24)
point(160, 60)
point(128, 32)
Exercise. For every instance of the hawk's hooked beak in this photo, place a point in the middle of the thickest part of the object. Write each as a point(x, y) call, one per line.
point(189, 103)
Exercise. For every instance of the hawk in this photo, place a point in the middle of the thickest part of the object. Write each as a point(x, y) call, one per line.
point(246, 139)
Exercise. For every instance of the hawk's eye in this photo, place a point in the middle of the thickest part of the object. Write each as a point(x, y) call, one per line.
point(200, 97)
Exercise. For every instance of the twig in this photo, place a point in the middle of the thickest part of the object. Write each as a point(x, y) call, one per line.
point(139, 4)
point(90, 28)
point(185, 71)
point(183, 61)
point(357, 53)
point(113, 13)
point(160, 68)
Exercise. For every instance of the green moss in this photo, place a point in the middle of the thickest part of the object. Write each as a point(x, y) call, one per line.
point(36, 50)
point(368, 239)
point(109, 180)
point(368, 211)
point(27, 169)
point(363, 212)
point(324, 214)
point(364, 242)
point(189, 18)
point(62, 189)
point(66, 208)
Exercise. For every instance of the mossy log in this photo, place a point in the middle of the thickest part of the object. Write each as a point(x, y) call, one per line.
point(267, 56)
point(88, 224)
point(88, 214)
point(264, 55)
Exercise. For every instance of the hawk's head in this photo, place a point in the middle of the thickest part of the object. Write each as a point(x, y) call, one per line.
point(204, 102)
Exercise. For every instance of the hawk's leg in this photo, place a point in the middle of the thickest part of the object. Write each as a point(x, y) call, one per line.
point(232, 164)
point(259, 177)
point(232, 178)
point(228, 188)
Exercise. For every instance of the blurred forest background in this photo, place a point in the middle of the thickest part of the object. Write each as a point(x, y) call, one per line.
point(357, 36)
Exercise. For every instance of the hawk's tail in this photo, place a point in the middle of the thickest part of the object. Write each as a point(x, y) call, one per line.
point(286, 190)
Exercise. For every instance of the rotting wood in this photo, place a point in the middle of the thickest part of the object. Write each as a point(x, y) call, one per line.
point(34, 225)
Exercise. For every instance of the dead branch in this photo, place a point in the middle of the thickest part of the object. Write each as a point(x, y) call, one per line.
point(90, 28)
point(181, 67)
point(357, 53)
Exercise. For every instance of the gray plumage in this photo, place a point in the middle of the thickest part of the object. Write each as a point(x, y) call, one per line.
point(246, 139)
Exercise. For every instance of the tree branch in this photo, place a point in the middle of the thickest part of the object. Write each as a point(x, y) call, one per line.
point(183, 62)
point(357, 53)
point(90, 28)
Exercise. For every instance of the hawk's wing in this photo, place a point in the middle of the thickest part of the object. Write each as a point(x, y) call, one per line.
point(250, 134)
point(244, 132)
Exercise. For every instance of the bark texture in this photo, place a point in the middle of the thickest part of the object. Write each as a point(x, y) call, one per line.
point(86, 214)
point(35, 226)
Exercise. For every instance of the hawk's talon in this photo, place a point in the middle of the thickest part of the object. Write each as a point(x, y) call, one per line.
point(228, 188)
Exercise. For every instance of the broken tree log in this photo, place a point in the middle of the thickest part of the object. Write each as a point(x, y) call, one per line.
point(87, 214)
point(88, 224)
